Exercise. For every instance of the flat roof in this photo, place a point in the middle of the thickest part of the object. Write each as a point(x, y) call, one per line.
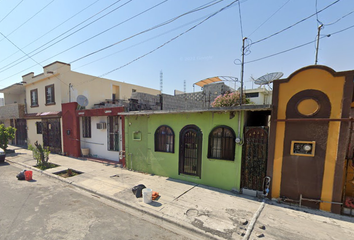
point(249, 107)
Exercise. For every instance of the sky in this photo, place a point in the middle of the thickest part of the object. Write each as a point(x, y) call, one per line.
point(179, 41)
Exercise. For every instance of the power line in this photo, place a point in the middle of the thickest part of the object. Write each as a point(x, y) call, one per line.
point(67, 35)
point(269, 18)
point(11, 11)
point(164, 44)
point(147, 30)
point(51, 30)
point(272, 35)
point(239, 13)
point(29, 19)
point(86, 40)
point(26, 54)
point(346, 15)
point(204, 6)
point(159, 35)
point(302, 45)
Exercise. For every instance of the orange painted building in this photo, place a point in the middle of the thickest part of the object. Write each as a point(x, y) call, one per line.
point(309, 137)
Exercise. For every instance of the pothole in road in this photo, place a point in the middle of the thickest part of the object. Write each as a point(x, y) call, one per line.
point(68, 173)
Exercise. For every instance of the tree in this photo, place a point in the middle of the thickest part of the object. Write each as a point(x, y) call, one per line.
point(6, 134)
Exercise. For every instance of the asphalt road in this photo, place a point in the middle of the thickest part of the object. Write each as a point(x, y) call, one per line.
point(46, 208)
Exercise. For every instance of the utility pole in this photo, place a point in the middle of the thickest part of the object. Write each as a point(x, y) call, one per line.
point(242, 69)
point(161, 81)
point(318, 42)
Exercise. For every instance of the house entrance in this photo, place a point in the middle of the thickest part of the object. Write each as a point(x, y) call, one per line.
point(190, 151)
point(21, 132)
point(51, 134)
point(254, 160)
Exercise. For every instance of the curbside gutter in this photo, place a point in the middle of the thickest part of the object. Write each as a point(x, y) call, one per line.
point(157, 215)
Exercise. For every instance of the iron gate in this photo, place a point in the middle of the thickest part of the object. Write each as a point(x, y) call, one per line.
point(52, 134)
point(254, 160)
point(190, 151)
point(21, 132)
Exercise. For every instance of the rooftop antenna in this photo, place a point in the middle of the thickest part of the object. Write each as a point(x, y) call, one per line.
point(184, 86)
point(161, 81)
point(268, 78)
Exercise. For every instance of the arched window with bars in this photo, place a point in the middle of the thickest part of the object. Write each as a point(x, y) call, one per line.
point(164, 139)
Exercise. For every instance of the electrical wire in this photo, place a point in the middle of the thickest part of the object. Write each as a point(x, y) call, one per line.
point(6, 58)
point(28, 19)
point(287, 28)
point(346, 15)
point(27, 54)
point(239, 13)
point(11, 11)
point(318, 21)
point(164, 44)
point(88, 39)
point(269, 18)
point(204, 6)
point(299, 46)
point(67, 35)
point(147, 30)
point(157, 36)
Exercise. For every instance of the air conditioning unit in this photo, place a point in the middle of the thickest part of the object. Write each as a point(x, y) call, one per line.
point(101, 125)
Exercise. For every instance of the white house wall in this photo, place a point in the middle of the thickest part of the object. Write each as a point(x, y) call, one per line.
point(98, 141)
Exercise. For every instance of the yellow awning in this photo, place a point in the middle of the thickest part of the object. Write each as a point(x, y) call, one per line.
point(207, 81)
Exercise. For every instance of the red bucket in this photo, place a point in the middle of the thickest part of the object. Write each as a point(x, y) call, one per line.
point(28, 175)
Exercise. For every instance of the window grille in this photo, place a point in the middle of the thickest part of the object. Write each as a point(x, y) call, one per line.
point(39, 127)
point(113, 133)
point(222, 143)
point(86, 127)
point(49, 94)
point(34, 98)
point(164, 139)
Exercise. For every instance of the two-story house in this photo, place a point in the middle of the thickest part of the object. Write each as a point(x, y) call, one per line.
point(55, 120)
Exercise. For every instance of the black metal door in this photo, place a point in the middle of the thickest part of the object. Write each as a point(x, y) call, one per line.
point(190, 151)
point(254, 160)
point(52, 134)
point(21, 132)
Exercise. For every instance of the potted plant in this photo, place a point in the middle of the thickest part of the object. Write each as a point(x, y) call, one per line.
point(6, 134)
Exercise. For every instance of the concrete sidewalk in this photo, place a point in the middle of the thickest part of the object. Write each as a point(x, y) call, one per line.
point(211, 212)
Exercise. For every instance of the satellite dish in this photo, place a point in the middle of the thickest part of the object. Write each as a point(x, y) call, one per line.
point(268, 78)
point(82, 100)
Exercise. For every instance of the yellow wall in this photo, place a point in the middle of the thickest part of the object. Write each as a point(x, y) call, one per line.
point(316, 79)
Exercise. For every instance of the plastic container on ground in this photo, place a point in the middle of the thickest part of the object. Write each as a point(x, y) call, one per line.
point(28, 175)
point(147, 195)
point(85, 152)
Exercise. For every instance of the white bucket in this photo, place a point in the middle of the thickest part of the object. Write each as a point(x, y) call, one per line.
point(147, 195)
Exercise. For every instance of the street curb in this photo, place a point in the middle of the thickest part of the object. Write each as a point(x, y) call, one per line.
point(253, 221)
point(158, 216)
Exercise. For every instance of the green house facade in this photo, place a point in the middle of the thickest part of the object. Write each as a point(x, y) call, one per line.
point(203, 147)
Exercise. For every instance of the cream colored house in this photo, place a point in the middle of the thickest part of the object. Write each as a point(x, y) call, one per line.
point(57, 85)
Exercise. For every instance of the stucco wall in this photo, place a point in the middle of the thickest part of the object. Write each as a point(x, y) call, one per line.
point(141, 154)
point(32, 132)
point(98, 141)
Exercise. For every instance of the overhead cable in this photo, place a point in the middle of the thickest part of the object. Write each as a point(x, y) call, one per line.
point(274, 34)
point(6, 58)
